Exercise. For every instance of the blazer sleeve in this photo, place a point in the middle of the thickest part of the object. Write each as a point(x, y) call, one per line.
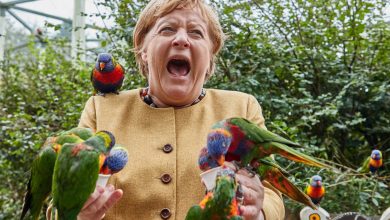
point(273, 207)
point(88, 116)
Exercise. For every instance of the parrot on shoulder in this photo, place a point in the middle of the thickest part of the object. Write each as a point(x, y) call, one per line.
point(372, 163)
point(315, 190)
point(75, 173)
point(221, 203)
point(107, 75)
point(40, 181)
point(250, 142)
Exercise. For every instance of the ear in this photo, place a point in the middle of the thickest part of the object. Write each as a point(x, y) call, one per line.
point(144, 56)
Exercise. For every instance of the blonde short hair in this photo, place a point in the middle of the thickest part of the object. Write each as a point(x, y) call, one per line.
point(159, 8)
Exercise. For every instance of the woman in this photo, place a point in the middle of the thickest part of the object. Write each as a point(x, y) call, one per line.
point(165, 125)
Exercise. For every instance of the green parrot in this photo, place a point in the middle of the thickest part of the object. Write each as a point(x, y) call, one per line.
point(269, 170)
point(83, 133)
point(221, 203)
point(40, 181)
point(248, 142)
point(75, 173)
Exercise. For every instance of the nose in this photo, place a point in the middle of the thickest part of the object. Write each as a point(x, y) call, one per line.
point(181, 40)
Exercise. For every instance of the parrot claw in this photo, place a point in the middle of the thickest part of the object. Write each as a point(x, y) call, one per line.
point(239, 195)
point(101, 94)
point(250, 170)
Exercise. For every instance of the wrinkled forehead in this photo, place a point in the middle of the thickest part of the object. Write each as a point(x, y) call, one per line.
point(189, 16)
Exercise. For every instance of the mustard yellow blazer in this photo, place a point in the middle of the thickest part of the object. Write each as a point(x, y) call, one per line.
point(161, 179)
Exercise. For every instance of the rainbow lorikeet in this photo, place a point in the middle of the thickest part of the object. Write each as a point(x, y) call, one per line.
point(220, 203)
point(40, 182)
point(372, 163)
point(115, 161)
point(75, 173)
point(107, 75)
point(249, 142)
point(315, 190)
point(268, 170)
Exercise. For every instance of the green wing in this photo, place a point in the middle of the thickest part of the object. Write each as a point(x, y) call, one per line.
point(365, 168)
point(39, 184)
point(75, 174)
point(258, 134)
point(270, 171)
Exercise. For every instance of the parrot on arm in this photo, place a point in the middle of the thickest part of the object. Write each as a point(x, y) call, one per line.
point(268, 170)
point(249, 143)
point(315, 190)
point(221, 203)
point(40, 182)
point(107, 75)
point(372, 163)
point(75, 173)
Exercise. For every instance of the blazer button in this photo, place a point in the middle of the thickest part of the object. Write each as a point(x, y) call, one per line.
point(165, 213)
point(166, 178)
point(167, 148)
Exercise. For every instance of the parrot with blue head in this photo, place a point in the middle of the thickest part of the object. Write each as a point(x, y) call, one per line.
point(75, 174)
point(250, 142)
point(315, 190)
point(372, 163)
point(107, 75)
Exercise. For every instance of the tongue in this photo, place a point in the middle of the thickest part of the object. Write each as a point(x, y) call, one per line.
point(178, 68)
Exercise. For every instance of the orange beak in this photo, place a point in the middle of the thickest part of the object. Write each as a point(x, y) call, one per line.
point(102, 65)
point(221, 160)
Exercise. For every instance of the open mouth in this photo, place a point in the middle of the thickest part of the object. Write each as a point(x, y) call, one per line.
point(178, 67)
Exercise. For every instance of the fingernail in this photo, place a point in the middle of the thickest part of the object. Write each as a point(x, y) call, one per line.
point(100, 189)
point(110, 187)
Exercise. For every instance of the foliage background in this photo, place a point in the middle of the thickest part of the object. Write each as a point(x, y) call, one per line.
point(320, 69)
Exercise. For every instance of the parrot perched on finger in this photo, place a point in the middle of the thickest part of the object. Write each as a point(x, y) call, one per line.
point(75, 173)
point(107, 75)
point(40, 182)
point(249, 143)
point(372, 163)
point(315, 190)
point(221, 203)
point(269, 170)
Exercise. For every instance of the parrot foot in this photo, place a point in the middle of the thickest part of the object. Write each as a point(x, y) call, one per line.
point(239, 194)
point(116, 92)
point(250, 170)
point(101, 94)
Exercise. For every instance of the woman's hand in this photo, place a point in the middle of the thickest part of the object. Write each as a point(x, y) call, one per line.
point(99, 202)
point(253, 191)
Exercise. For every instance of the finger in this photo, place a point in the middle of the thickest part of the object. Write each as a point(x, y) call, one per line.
point(251, 197)
point(230, 165)
point(250, 182)
point(94, 196)
point(114, 197)
point(249, 211)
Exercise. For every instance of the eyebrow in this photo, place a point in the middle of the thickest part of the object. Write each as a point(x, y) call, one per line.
point(173, 20)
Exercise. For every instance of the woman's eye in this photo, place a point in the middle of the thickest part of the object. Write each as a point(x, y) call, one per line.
point(167, 30)
point(196, 32)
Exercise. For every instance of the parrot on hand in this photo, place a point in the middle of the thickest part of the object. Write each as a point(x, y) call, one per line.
point(315, 190)
point(75, 173)
point(115, 161)
point(372, 163)
point(250, 142)
point(221, 203)
point(107, 75)
point(269, 170)
point(40, 182)
point(83, 133)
